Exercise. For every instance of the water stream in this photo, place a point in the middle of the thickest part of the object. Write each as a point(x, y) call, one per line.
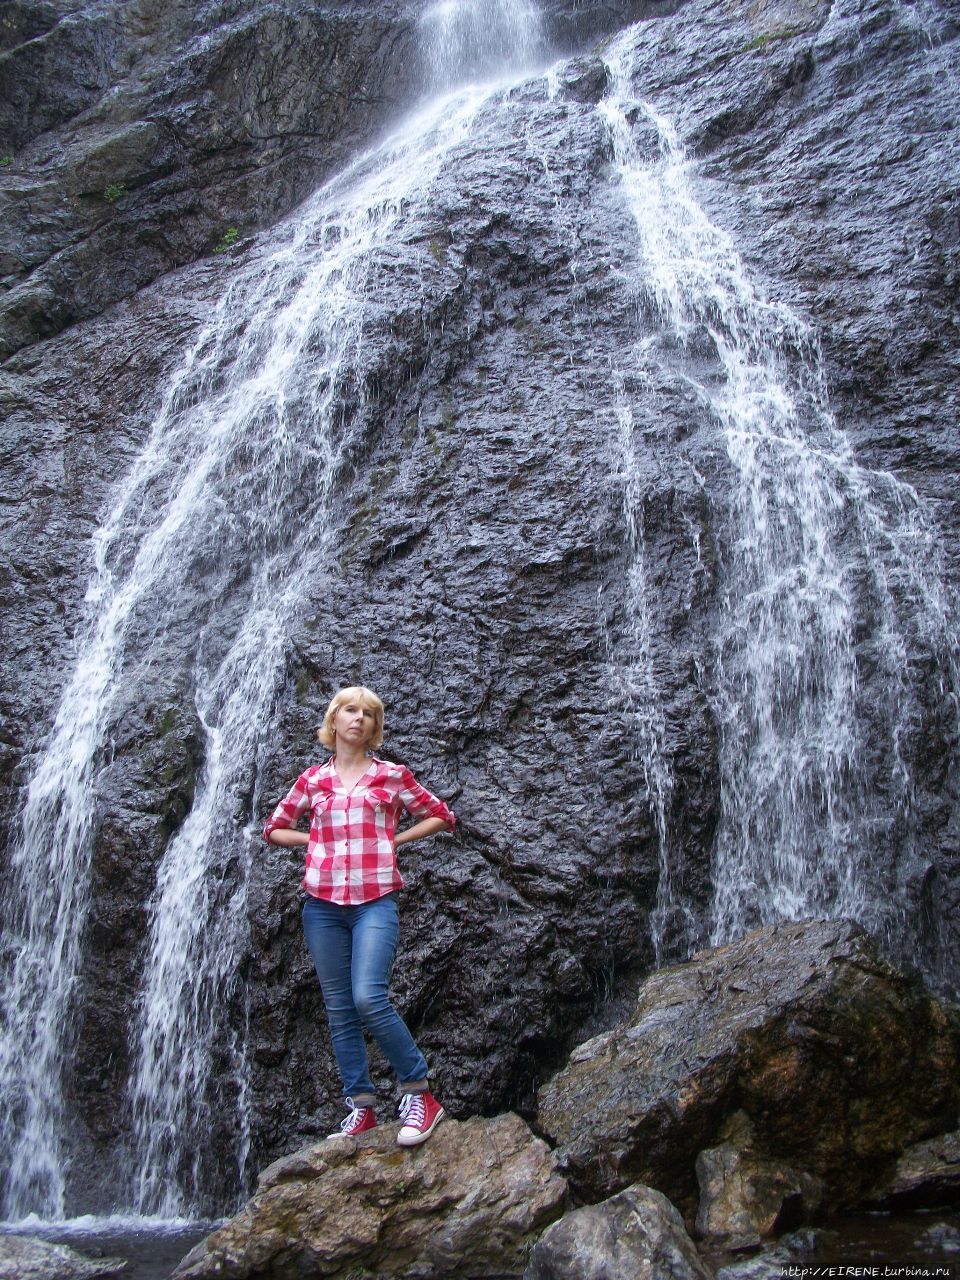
point(827, 569)
point(232, 491)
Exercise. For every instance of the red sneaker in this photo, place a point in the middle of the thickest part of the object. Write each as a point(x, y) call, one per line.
point(359, 1120)
point(420, 1113)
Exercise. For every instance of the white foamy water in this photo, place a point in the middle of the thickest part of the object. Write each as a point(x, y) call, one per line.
point(464, 40)
point(816, 818)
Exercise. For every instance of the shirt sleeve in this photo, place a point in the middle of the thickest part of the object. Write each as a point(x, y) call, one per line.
point(290, 809)
point(421, 803)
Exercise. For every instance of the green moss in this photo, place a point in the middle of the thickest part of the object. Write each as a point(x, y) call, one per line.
point(359, 526)
point(6, 162)
point(113, 191)
point(411, 428)
point(168, 723)
point(767, 38)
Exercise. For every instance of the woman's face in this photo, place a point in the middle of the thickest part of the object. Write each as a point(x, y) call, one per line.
point(354, 724)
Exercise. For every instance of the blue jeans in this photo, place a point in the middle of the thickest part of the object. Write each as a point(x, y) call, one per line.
point(353, 949)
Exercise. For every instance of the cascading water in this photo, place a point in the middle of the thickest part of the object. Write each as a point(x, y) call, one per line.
point(303, 354)
point(478, 39)
point(232, 488)
point(816, 783)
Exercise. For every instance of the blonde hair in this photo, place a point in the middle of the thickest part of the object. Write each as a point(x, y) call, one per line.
point(354, 693)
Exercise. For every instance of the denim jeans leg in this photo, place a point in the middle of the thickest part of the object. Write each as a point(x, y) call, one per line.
point(327, 929)
point(375, 934)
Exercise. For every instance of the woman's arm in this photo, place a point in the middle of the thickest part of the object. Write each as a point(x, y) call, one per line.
point(289, 839)
point(428, 827)
point(420, 803)
point(287, 814)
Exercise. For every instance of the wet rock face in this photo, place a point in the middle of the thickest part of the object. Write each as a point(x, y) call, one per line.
point(480, 582)
point(170, 124)
point(836, 1061)
point(803, 117)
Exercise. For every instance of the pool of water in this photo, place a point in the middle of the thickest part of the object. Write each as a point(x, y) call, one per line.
point(152, 1248)
point(918, 1246)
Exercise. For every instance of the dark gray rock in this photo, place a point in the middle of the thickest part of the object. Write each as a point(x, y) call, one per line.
point(942, 1238)
point(837, 1061)
point(470, 1205)
point(926, 1176)
point(170, 124)
point(636, 1235)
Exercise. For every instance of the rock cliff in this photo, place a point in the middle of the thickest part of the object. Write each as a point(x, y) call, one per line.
point(518, 514)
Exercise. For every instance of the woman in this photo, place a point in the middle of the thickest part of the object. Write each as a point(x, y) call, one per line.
point(350, 917)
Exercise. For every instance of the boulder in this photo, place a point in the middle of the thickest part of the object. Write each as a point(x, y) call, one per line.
point(635, 1235)
point(746, 1198)
point(469, 1203)
point(942, 1238)
point(772, 1262)
point(927, 1176)
point(23, 1258)
point(837, 1060)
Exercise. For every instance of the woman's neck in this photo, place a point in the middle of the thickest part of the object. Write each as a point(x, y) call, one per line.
point(349, 756)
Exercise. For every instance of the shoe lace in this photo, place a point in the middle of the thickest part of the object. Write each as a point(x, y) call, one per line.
point(411, 1108)
point(354, 1117)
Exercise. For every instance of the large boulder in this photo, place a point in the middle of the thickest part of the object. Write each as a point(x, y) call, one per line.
point(837, 1061)
point(635, 1235)
point(470, 1204)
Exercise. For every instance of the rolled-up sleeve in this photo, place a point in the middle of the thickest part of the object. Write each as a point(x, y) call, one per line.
point(290, 809)
point(421, 803)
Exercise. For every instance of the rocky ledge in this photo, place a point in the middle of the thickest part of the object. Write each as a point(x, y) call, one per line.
point(759, 1086)
point(23, 1258)
point(470, 1204)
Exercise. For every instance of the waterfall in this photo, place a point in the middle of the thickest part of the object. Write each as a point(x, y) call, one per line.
point(828, 584)
point(478, 39)
point(673, 925)
point(826, 569)
point(229, 505)
point(234, 483)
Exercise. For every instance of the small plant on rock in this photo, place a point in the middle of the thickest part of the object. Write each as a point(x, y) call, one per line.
point(227, 240)
point(6, 162)
point(114, 191)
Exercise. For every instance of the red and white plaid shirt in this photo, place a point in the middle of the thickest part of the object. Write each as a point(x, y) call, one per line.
point(350, 857)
